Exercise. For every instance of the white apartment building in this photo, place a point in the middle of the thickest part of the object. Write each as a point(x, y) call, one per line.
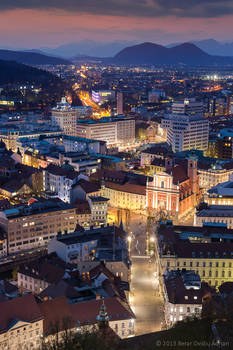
point(186, 127)
point(186, 132)
point(112, 130)
point(60, 181)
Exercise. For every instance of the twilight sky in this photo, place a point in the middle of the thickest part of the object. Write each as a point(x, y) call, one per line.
point(36, 23)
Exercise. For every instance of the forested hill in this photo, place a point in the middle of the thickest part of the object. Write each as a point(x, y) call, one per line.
point(32, 58)
point(13, 73)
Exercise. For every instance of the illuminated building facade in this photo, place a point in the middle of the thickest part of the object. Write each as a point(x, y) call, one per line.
point(114, 131)
point(32, 226)
point(102, 96)
point(222, 214)
point(214, 175)
point(185, 132)
point(207, 250)
point(187, 107)
point(176, 190)
point(65, 117)
point(186, 127)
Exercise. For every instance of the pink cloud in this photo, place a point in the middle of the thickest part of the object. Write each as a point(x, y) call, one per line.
point(34, 28)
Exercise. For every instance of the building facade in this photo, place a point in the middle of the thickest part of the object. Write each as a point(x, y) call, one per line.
point(220, 214)
point(60, 180)
point(207, 250)
point(183, 295)
point(114, 131)
point(213, 176)
point(21, 324)
point(65, 117)
point(186, 132)
point(189, 106)
point(175, 191)
point(32, 226)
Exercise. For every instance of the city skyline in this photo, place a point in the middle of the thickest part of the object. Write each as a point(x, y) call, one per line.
point(44, 24)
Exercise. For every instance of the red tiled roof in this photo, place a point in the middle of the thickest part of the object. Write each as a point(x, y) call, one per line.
point(82, 207)
point(57, 170)
point(87, 311)
point(57, 315)
point(23, 308)
point(97, 270)
point(179, 174)
point(158, 162)
point(43, 271)
point(111, 175)
point(62, 288)
point(178, 294)
point(87, 186)
point(204, 250)
point(127, 187)
point(13, 185)
point(112, 284)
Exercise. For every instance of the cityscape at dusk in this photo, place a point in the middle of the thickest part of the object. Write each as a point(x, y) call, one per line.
point(116, 175)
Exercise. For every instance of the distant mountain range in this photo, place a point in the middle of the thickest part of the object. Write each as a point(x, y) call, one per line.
point(212, 47)
point(93, 48)
point(80, 48)
point(187, 53)
point(88, 48)
point(29, 57)
point(17, 73)
point(205, 52)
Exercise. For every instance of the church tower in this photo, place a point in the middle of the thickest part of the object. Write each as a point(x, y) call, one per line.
point(192, 173)
point(102, 318)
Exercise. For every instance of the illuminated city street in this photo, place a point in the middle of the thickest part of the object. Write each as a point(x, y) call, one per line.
point(145, 300)
point(86, 100)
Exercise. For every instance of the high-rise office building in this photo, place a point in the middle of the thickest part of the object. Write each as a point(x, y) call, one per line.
point(186, 127)
point(188, 106)
point(65, 117)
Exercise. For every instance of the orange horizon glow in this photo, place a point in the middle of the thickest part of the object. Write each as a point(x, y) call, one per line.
point(33, 28)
